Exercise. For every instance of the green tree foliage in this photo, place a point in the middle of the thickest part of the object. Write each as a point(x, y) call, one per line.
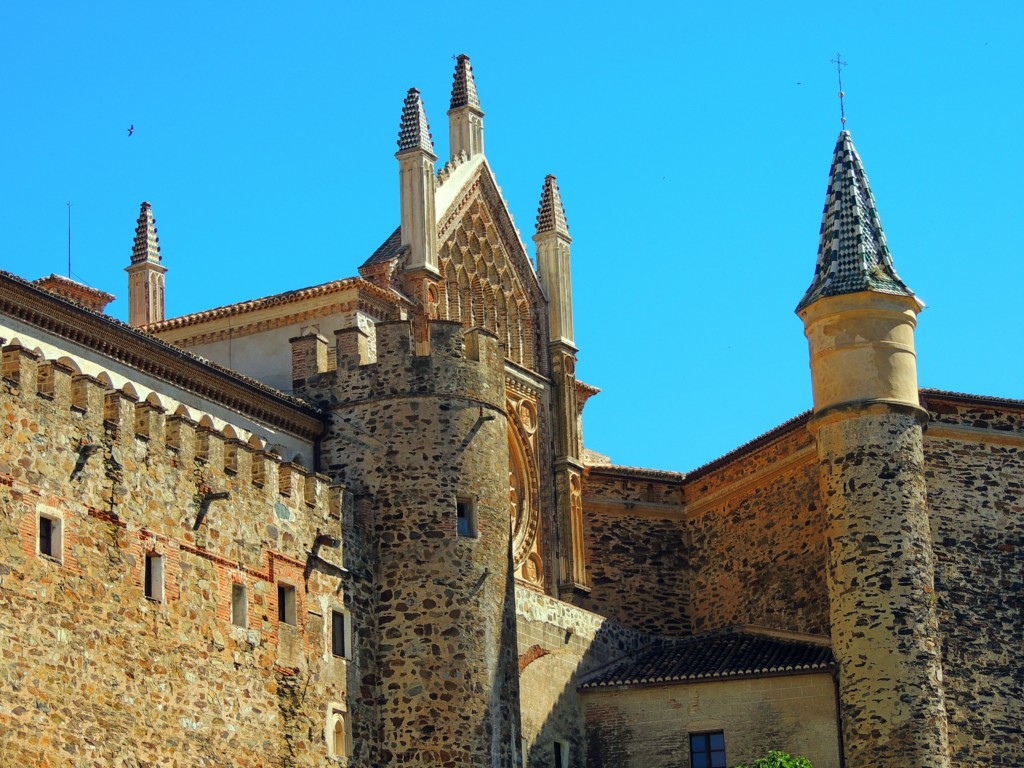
point(779, 760)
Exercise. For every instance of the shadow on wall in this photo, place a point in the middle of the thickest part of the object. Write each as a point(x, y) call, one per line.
point(559, 644)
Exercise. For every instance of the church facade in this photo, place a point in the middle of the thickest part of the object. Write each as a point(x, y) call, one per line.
point(355, 523)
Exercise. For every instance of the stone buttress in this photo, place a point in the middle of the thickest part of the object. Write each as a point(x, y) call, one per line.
point(553, 245)
point(859, 319)
point(421, 439)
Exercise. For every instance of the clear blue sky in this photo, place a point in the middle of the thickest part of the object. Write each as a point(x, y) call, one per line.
point(691, 143)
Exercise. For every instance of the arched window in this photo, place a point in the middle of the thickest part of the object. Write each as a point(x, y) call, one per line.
point(339, 743)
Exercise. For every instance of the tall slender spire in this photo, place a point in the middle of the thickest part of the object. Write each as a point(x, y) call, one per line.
point(551, 212)
point(145, 273)
point(416, 185)
point(147, 244)
point(852, 253)
point(465, 118)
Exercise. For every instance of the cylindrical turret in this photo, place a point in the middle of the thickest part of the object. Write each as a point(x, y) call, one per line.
point(446, 658)
point(859, 319)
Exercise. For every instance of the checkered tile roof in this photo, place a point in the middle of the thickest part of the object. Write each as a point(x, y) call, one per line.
point(463, 85)
point(414, 133)
point(551, 213)
point(852, 254)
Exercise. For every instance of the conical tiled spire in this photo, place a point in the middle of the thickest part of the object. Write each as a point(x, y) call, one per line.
point(463, 86)
point(414, 133)
point(852, 254)
point(147, 244)
point(551, 214)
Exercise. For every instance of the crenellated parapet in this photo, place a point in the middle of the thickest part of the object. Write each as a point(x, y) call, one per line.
point(117, 416)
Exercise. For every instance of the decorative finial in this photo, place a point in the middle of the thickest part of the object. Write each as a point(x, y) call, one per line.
point(414, 133)
point(147, 244)
point(838, 61)
point(551, 213)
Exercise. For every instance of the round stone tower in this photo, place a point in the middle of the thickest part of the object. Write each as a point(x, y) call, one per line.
point(423, 437)
point(859, 319)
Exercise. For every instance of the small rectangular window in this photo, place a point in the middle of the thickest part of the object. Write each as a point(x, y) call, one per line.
point(50, 536)
point(339, 634)
point(286, 604)
point(707, 750)
point(239, 605)
point(465, 517)
point(154, 578)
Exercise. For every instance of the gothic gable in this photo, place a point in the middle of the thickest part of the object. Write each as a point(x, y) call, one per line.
point(488, 280)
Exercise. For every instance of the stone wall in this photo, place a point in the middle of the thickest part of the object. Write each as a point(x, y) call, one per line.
point(95, 673)
point(757, 534)
point(558, 644)
point(638, 554)
point(974, 459)
point(649, 727)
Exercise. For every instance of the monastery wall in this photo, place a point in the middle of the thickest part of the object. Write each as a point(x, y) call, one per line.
point(974, 459)
point(638, 554)
point(94, 672)
point(757, 539)
point(649, 726)
point(558, 643)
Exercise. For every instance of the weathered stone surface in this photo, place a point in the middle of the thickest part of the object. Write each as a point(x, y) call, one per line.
point(94, 672)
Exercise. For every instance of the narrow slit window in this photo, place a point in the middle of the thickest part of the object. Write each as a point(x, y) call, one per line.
point(154, 577)
point(561, 754)
point(239, 605)
point(465, 515)
point(286, 604)
point(339, 634)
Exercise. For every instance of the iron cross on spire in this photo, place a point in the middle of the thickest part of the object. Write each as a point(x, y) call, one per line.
point(838, 61)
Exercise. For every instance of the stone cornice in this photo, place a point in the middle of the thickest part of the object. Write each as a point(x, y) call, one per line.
point(153, 357)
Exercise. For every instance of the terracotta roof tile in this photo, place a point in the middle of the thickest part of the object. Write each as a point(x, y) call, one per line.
point(270, 301)
point(718, 655)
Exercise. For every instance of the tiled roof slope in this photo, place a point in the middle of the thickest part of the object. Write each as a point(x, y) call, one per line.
point(463, 85)
point(286, 297)
point(414, 133)
point(852, 254)
point(551, 212)
point(719, 655)
point(147, 244)
point(387, 250)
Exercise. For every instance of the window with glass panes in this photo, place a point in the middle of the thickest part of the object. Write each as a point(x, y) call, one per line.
point(707, 750)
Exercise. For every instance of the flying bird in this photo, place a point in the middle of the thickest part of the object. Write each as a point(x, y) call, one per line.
point(131, 129)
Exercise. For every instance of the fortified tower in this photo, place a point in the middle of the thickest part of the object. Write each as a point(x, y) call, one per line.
point(421, 441)
point(859, 319)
